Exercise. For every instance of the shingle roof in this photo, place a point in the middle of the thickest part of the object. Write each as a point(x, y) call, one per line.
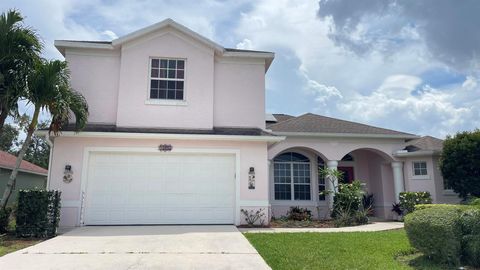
point(8, 161)
point(424, 143)
point(214, 131)
point(314, 123)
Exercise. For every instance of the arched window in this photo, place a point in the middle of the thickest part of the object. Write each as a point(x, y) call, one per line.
point(347, 157)
point(291, 174)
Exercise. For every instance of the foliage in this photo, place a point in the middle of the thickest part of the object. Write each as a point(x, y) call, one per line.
point(20, 48)
point(252, 217)
point(8, 138)
point(355, 250)
point(460, 163)
point(474, 201)
point(436, 233)
point(38, 213)
point(4, 219)
point(446, 233)
point(408, 200)
point(348, 198)
point(368, 201)
point(343, 218)
point(396, 208)
point(38, 151)
point(49, 89)
point(300, 214)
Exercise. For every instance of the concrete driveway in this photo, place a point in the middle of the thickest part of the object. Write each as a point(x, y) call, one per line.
point(140, 247)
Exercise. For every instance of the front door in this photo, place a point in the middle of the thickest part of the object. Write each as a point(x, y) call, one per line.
point(348, 175)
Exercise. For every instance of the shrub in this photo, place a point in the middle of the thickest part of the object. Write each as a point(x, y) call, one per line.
point(4, 219)
point(367, 202)
point(446, 233)
point(470, 222)
point(408, 200)
point(343, 218)
point(251, 216)
point(348, 198)
point(300, 214)
point(475, 202)
point(459, 163)
point(38, 213)
point(436, 232)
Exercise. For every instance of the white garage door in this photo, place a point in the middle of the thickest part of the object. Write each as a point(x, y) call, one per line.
point(160, 188)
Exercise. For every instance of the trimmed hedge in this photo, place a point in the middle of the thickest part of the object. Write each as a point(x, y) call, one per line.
point(38, 213)
point(446, 233)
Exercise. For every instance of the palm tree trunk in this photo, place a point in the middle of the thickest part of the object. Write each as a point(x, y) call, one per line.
point(13, 177)
point(3, 117)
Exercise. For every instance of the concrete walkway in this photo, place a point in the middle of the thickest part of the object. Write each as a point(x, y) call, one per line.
point(140, 247)
point(373, 227)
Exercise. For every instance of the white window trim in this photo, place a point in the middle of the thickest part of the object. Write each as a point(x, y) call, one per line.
point(292, 184)
point(166, 102)
point(420, 177)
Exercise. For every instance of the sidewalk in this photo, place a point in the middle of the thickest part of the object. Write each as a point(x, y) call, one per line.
point(373, 227)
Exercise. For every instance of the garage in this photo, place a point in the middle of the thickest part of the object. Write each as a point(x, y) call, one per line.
point(126, 188)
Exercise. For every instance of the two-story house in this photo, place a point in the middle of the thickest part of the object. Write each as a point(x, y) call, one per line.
point(178, 134)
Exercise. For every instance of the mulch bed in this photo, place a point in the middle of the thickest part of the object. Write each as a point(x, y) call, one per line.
point(285, 223)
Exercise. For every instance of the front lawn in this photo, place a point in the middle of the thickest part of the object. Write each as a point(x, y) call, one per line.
point(356, 250)
point(10, 244)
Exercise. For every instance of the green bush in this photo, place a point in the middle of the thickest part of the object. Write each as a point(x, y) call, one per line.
point(348, 198)
point(4, 219)
point(38, 213)
point(300, 214)
point(408, 200)
point(436, 232)
point(446, 233)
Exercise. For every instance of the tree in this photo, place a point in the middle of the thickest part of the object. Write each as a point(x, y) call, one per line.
point(20, 47)
point(8, 138)
point(49, 89)
point(460, 163)
point(38, 151)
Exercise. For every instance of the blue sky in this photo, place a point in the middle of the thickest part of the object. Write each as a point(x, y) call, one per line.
point(405, 65)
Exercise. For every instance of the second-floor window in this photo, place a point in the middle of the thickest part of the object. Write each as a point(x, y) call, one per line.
point(167, 79)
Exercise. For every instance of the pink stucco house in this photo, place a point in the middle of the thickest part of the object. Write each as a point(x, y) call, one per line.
point(178, 134)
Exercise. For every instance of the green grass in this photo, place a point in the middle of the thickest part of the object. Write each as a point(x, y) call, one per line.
point(356, 250)
point(10, 244)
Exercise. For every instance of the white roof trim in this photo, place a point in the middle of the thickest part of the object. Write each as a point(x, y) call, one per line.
point(416, 153)
point(128, 135)
point(62, 44)
point(345, 135)
point(24, 171)
point(162, 24)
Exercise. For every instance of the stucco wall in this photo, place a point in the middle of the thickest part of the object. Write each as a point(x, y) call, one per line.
point(68, 150)
point(95, 74)
point(239, 93)
point(24, 181)
point(220, 91)
point(134, 83)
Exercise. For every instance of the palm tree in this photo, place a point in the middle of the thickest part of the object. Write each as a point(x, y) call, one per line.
point(20, 47)
point(49, 90)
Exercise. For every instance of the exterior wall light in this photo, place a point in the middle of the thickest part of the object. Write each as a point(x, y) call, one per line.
point(68, 174)
point(251, 178)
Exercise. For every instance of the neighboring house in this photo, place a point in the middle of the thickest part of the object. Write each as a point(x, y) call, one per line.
point(29, 176)
point(177, 134)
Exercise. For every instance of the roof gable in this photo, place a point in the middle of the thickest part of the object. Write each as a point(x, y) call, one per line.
point(310, 123)
point(162, 25)
point(427, 143)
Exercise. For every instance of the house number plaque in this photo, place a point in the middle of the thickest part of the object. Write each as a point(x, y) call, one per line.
point(165, 147)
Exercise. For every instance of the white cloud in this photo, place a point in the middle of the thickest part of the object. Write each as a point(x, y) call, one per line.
point(246, 44)
point(110, 34)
